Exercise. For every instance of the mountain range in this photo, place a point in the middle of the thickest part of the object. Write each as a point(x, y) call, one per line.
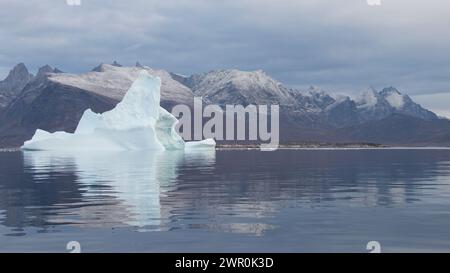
point(53, 101)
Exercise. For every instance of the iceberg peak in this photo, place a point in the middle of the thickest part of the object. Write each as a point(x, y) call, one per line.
point(138, 122)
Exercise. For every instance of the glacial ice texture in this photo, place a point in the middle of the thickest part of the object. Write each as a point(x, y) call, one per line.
point(138, 122)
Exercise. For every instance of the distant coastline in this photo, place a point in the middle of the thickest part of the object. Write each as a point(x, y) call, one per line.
point(325, 146)
point(300, 145)
point(309, 146)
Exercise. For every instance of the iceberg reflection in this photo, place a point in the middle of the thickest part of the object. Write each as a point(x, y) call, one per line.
point(124, 186)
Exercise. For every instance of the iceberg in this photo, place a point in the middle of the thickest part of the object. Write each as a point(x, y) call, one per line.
point(204, 144)
point(138, 122)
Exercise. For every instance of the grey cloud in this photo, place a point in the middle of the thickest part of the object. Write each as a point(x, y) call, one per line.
point(343, 46)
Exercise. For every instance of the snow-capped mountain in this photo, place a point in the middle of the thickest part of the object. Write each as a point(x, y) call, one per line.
point(16, 80)
point(314, 100)
point(238, 87)
point(373, 105)
point(256, 87)
point(55, 101)
point(313, 107)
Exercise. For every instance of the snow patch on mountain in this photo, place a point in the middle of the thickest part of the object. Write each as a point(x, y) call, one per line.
point(395, 100)
point(113, 81)
point(367, 99)
point(239, 87)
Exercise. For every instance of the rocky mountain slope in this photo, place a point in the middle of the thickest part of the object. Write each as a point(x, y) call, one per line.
point(53, 101)
point(14, 83)
point(397, 129)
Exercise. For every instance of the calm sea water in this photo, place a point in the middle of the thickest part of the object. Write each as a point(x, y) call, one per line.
point(226, 201)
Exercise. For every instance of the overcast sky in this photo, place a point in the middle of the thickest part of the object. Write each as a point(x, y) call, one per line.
point(339, 45)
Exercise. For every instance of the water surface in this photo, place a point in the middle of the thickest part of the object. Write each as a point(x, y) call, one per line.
point(226, 201)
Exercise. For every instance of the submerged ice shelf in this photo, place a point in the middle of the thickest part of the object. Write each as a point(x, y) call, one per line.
point(138, 122)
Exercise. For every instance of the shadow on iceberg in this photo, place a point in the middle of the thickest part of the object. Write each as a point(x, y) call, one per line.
point(138, 122)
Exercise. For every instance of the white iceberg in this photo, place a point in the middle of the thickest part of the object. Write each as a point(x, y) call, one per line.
point(204, 144)
point(138, 122)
